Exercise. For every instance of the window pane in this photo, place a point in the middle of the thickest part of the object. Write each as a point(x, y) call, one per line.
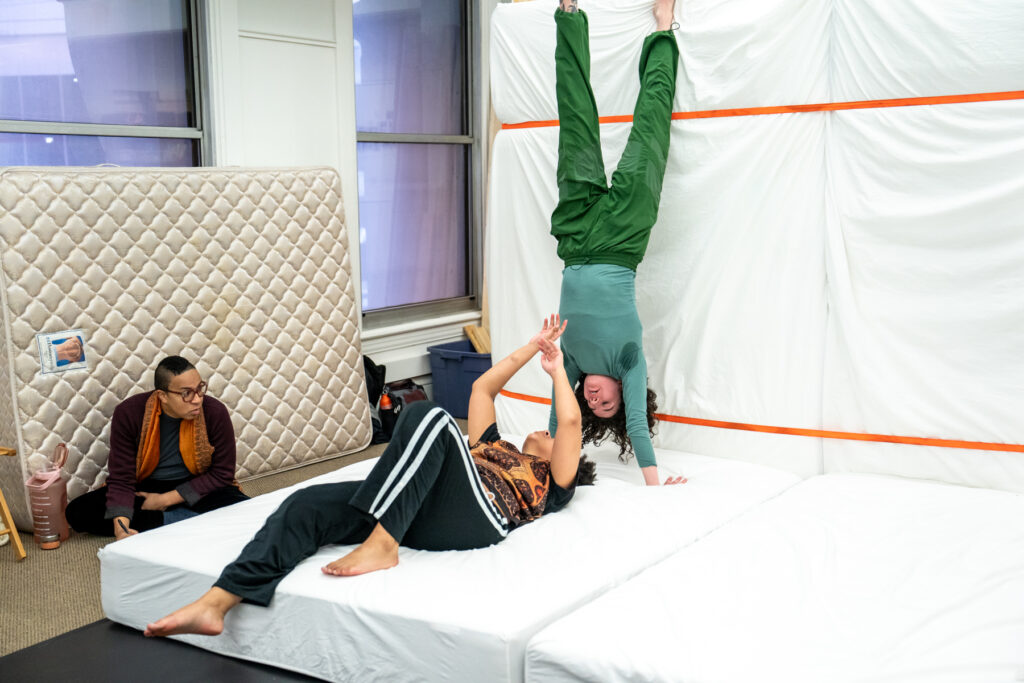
point(96, 61)
point(412, 214)
point(409, 63)
point(87, 150)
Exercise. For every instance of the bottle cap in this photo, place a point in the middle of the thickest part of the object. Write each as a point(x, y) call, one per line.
point(385, 402)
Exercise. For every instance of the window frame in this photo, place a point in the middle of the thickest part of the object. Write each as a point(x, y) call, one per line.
point(197, 132)
point(473, 144)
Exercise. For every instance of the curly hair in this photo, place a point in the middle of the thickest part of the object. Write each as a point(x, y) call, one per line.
point(586, 473)
point(597, 429)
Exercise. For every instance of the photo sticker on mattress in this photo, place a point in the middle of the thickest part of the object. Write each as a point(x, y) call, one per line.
point(61, 351)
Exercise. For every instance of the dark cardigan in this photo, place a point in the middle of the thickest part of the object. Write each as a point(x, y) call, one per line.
point(125, 434)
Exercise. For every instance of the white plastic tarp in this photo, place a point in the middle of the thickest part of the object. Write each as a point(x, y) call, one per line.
point(854, 270)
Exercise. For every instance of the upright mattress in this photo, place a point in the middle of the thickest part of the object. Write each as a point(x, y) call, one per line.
point(459, 616)
point(844, 577)
point(243, 271)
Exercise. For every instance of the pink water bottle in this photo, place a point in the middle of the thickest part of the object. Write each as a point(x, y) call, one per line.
point(48, 496)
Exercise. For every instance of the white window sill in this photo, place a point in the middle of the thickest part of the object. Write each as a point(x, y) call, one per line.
point(402, 347)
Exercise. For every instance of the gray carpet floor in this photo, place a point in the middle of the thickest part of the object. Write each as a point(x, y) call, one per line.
point(52, 592)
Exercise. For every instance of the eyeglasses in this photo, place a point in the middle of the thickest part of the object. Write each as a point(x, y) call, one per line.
point(189, 393)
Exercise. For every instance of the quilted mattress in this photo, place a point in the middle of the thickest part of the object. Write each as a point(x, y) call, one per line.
point(243, 271)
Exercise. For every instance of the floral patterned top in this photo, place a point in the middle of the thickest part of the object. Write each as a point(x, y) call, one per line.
point(519, 485)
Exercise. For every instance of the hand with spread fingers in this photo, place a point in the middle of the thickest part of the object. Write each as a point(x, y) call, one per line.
point(553, 328)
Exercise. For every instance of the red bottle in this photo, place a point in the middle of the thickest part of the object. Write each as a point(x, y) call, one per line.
point(388, 416)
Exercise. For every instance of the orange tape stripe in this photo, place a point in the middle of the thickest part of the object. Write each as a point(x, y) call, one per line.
point(800, 108)
point(819, 433)
point(526, 397)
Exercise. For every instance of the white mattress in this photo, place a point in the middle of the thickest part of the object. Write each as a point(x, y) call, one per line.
point(439, 615)
point(841, 578)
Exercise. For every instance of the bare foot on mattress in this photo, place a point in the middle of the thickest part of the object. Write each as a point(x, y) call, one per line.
point(205, 616)
point(378, 551)
point(664, 14)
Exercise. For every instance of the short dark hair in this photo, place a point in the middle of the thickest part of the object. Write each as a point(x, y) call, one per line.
point(586, 472)
point(168, 368)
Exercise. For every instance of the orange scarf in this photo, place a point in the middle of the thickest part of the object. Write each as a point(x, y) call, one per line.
point(195, 447)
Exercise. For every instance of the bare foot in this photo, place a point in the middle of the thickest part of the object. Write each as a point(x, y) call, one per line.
point(378, 551)
point(205, 616)
point(664, 14)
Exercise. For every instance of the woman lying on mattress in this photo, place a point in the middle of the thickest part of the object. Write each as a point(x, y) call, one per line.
point(602, 233)
point(428, 491)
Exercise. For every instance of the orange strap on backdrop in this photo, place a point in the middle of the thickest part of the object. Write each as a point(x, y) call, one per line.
point(819, 433)
point(794, 109)
point(801, 108)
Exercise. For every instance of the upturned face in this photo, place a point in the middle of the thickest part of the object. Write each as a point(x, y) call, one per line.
point(603, 394)
point(539, 444)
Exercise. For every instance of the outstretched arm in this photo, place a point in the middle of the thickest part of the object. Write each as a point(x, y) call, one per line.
point(572, 373)
point(487, 385)
point(565, 452)
point(634, 396)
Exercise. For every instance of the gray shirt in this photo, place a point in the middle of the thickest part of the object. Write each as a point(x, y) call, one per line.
point(171, 465)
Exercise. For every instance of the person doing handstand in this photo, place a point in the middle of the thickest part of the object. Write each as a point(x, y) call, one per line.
point(603, 231)
point(449, 497)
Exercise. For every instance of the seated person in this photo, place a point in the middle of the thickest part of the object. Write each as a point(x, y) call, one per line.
point(172, 456)
point(448, 497)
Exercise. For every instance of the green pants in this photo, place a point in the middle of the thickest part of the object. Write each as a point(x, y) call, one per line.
point(594, 223)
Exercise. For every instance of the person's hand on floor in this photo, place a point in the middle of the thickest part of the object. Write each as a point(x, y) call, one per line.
point(651, 477)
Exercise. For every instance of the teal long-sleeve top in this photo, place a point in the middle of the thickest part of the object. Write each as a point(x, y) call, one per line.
point(604, 337)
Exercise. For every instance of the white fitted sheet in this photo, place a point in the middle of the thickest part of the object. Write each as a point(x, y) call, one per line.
point(438, 615)
point(841, 578)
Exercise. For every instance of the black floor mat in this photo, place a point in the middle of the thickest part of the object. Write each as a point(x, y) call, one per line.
point(109, 652)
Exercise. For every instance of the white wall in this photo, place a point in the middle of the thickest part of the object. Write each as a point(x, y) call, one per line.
point(281, 92)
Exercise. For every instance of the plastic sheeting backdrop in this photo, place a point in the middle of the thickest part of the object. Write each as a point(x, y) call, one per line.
point(854, 269)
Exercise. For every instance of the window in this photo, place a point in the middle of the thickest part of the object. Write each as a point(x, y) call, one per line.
point(415, 150)
point(86, 82)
